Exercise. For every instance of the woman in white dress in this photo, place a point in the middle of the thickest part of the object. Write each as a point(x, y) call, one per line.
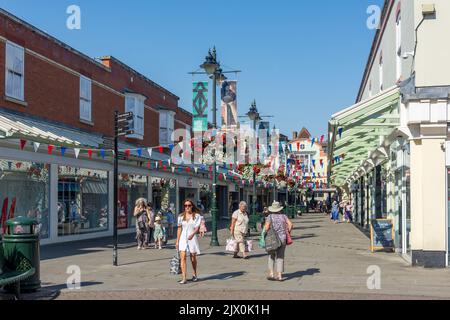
point(187, 242)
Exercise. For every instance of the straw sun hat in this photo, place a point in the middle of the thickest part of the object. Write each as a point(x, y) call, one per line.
point(276, 207)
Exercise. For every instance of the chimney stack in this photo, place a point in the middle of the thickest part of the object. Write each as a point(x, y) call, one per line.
point(295, 135)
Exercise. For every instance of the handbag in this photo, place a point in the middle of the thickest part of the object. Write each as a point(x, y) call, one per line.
point(231, 245)
point(175, 268)
point(289, 240)
point(271, 239)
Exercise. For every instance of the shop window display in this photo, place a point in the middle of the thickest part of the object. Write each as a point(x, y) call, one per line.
point(82, 201)
point(131, 188)
point(164, 193)
point(24, 191)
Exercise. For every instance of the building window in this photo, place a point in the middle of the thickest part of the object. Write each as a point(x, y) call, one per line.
point(398, 47)
point(135, 103)
point(14, 84)
point(381, 74)
point(24, 191)
point(166, 125)
point(85, 99)
point(82, 201)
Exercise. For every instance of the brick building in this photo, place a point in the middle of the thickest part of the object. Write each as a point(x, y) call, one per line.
point(56, 115)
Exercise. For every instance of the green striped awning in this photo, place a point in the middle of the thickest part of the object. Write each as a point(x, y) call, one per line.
point(358, 131)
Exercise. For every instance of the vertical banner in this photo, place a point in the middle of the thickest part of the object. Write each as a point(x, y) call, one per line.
point(229, 103)
point(200, 106)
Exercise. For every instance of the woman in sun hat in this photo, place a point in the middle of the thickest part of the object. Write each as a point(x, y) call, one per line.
point(282, 226)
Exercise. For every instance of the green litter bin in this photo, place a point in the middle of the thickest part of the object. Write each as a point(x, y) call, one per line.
point(21, 248)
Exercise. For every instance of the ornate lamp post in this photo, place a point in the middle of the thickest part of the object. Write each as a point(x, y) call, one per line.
point(253, 115)
point(212, 68)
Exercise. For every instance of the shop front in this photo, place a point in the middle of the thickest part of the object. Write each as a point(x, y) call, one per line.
point(131, 188)
point(24, 191)
point(82, 201)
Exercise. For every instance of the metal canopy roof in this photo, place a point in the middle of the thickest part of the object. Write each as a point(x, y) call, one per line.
point(364, 126)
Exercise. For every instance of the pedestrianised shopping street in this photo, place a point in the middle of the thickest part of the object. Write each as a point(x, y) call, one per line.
point(150, 152)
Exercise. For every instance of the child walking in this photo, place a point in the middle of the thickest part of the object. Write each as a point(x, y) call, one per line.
point(158, 233)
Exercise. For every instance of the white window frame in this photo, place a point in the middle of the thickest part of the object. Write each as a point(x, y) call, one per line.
point(137, 107)
point(398, 47)
point(166, 129)
point(85, 99)
point(381, 73)
point(16, 70)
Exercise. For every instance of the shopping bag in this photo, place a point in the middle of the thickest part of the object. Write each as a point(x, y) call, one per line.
point(262, 242)
point(249, 246)
point(175, 268)
point(231, 245)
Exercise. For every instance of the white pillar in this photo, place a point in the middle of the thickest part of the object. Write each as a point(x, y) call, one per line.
point(53, 203)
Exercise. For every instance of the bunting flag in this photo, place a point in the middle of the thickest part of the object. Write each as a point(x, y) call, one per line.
point(50, 149)
point(313, 142)
point(63, 151)
point(139, 151)
point(22, 144)
point(322, 139)
point(173, 169)
point(150, 151)
point(340, 131)
point(36, 146)
point(298, 146)
point(314, 163)
point(77, 152)
point(171, 146)
point(321, 163)
point(290, 147)
point(196, 170)
point(161, 150)
point(102, 153)
point(90, 153)
point(149, 165)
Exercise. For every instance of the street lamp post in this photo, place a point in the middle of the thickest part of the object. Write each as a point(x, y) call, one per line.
point(253, 114)
point(212, 68)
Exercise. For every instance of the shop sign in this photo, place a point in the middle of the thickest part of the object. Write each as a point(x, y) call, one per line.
point(382, 235)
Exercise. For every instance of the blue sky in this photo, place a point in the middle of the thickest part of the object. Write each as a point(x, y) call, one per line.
point(301, 60)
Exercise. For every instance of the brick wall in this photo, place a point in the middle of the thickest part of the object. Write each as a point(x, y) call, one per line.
point(52, 72)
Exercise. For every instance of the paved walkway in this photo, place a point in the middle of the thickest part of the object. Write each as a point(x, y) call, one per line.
point(327, 261)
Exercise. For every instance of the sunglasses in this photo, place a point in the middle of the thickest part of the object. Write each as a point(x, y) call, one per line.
point(188, 205)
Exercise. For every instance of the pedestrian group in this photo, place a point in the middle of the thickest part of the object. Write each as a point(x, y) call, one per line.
point(158, 228)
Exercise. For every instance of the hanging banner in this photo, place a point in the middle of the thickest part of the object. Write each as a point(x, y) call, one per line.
point(229, 103)
point(200, 106)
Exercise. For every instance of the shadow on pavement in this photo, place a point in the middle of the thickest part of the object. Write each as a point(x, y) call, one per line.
point(59, 287)
point(305, 236)
point(224, 276)
point(60, 250)
point(301, 274)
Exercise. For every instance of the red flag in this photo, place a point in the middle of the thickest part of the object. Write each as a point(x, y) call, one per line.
point(149, 165)
point(127, 153)
point(12, 209)
point(298, 146)
point(50, 149)
point(322, 138)
point(22, 144)
point(90, 153)
point(161, 150)
point(4, 214)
